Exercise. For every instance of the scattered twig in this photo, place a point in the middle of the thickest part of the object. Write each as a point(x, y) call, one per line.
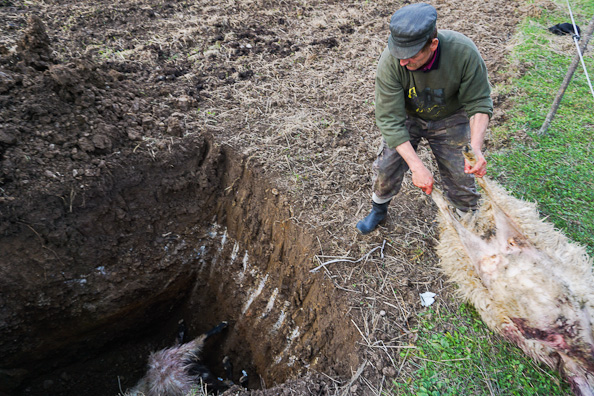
point(394, 346)
point(360, 332)
point(348, 260)
point(402, 364)
point(354, 378)
point(330, 378)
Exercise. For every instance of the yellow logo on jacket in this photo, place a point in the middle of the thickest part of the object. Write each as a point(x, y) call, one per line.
point(430, 101)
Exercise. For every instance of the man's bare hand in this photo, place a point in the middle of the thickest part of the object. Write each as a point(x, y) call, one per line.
point(480, 168)
point(423, 179)
point(478, 129)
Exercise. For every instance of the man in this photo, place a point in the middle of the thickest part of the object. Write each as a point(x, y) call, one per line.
point(428, 85)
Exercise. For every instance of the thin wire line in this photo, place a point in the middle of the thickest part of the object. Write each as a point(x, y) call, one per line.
point(576, 38)
point(573, 21)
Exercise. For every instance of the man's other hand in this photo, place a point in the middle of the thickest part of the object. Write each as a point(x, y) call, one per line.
point(423, 179)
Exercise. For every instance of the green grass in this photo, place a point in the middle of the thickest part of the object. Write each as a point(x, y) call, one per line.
point(458, 355)
point(556, 170)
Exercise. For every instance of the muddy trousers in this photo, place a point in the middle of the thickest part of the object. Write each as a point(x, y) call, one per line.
point(447, 139)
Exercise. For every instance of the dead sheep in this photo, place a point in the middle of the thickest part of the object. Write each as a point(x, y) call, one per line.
point(526, 279)
point(179, 370)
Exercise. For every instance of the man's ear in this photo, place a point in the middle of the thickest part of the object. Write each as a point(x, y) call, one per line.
point(434, 44)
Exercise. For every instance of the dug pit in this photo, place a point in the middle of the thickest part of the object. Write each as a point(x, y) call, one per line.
point(118, 220)
point(97, 281)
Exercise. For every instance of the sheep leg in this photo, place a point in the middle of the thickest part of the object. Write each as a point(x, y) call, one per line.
point(195, 346)
point(472, 242)
point(228, 366)
point(216, 330)
point(212, 382)
point(484, 256)
point(581, 382)
point(182, 329)
point(509, 235)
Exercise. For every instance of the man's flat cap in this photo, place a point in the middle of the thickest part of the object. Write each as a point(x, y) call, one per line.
point(410, 28)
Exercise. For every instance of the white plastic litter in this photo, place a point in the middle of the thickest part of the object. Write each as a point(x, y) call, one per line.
point(427, 298)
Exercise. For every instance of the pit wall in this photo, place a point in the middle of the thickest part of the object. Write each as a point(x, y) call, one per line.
point(83, 267)
point(286, 303)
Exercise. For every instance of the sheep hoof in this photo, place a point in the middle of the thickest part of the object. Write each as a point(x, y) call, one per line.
point(217, 329)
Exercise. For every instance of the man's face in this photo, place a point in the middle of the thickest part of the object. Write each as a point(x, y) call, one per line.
point(420, 58)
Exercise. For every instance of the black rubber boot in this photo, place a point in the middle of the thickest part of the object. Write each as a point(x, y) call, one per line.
point(378, 213)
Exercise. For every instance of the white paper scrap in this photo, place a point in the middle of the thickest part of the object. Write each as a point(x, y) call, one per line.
point(427, 298)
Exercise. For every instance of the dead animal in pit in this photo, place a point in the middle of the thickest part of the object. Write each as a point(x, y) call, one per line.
point(526, 279)
point(179, 370)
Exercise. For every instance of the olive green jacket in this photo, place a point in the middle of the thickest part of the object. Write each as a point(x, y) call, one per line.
point(460, 81)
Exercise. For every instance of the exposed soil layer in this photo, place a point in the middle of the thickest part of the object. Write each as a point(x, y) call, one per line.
point(167, 160)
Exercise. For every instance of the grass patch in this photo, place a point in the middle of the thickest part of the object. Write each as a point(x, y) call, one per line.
point(458, 355)
point(555, 170)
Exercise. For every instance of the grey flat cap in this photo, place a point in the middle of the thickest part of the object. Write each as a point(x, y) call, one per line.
point(410, 28)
